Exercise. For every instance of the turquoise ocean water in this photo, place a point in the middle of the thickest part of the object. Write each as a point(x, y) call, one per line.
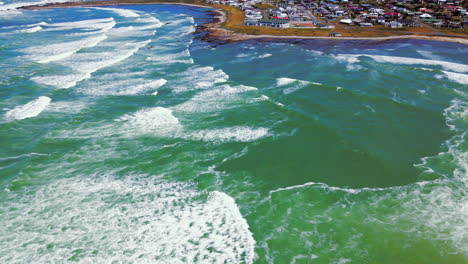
point(127, 138)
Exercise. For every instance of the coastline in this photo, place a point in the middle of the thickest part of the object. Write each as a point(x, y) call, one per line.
point(217, 31)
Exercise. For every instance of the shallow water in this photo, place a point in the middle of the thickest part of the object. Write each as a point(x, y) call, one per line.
point(127, 138)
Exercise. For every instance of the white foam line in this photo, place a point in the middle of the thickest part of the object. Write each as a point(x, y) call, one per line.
point(150, 19)
point(240, 134)
point(457, 77)
point(84, 65)
point(88, 63)
point(88, 24)
point(299, 84)
point(25, 26)
point(23, 155)
point(285, 81)
point(120, 11)
point(132, 31)
point(10, 13)
point(412, 61)
point(28, 110)
point(54, 52)
point(266, 55)
point(125, 87)
point(61, 81)
point(30, 30)
point(327, 187)
point(180, 21)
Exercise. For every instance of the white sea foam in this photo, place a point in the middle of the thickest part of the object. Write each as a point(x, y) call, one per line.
point(137, 219)
point(246, 57)
point(10, 13)
point(259, 99)
point(185, 30)
point(93, 61)
point(152, 121)
point(428, 55)
point(213, 99)
point(293, 83)
point(132, 31)
point(240, 133)
point(30, 30)
point(95, 29)
point(87, 63)
point(201, 78)
point(180, 21)
point(266, 55)
point(285, 81)
point(32, 154)
point(349, 58)
point(120, 11)
point(452, 66)
point(25, 26)
point(123, 87)
point(28, 110)
point(191, 19)
point(72, 107)
point(89, 24)
point(54, 52)
point(149, 19)
point(351, 61)
point(179, 57)
point(456, 77)
point(325, 186)
point(242, 55)
point(61, 81)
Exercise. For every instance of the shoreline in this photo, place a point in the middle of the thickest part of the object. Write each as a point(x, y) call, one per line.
point(216, 31)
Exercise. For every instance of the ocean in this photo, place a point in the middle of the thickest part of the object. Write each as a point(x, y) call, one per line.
point(127, 137)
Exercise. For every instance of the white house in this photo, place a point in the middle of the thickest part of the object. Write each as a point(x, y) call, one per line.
point(346, 21)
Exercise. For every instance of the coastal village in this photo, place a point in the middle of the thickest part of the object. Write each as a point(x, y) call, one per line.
point(344, 14)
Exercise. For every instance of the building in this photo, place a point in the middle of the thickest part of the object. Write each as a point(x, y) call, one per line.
point(276, 23)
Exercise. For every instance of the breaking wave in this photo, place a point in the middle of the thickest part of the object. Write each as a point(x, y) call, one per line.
point(31, 109)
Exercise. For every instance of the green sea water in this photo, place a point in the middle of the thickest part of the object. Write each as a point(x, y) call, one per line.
point(127, 138)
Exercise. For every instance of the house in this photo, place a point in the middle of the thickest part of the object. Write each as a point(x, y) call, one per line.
point(358, 21)
point(407, 22)
point(339, 13)
point(394, 24)
point(380, 20)
point(346, 21)
point(278, 23)
point(251, 22)
point(425, 16)
point(392, 14)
